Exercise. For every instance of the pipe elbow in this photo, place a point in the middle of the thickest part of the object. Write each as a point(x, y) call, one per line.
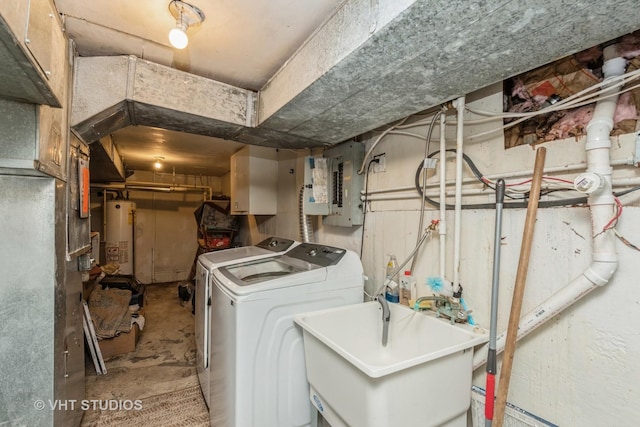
point(614, 65)
point(601, 270)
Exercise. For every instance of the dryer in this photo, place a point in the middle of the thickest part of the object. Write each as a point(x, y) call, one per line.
point(207, 263)
point(258, 375)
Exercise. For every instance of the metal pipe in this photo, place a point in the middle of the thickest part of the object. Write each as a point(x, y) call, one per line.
point(133, 242)
point(424, 181)
point(140, 188)
point(165, 188)
point(491, 354)
point(394, 273)
point(104, 217)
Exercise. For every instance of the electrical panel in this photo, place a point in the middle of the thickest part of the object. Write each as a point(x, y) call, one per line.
point(332, 185)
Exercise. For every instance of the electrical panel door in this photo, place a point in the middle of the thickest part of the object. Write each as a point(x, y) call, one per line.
point(332, 185)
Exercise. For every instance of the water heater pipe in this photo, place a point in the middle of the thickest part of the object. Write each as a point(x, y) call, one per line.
point(155, 186)
point(601, 205)
point(104, 217)
point(459, 105)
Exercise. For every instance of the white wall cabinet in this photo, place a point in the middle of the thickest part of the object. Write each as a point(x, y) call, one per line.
point(254, 181)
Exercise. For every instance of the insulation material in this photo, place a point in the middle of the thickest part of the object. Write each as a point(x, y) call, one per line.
point(545, 85)
point(562, 78)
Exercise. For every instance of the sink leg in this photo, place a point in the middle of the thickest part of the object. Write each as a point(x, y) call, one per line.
point(314, 417)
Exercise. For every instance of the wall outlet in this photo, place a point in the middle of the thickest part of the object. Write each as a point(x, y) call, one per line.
point(381, 166)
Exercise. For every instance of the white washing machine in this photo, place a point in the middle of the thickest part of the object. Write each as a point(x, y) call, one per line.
point(207, 263)
point(258, 376)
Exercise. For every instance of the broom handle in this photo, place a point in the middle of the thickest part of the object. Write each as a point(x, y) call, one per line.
point(518, 291)
point(491, 355)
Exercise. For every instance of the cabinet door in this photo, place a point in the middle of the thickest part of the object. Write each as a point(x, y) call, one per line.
point(262, 186)
point(240, 182)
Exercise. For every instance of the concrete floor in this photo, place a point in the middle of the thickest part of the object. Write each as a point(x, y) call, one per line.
point(164, 359)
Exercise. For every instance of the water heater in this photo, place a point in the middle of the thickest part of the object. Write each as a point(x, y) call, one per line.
point(119, 234)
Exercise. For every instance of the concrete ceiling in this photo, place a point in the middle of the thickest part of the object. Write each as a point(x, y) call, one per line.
point(325, 71)
point(241, 42)
point(179, 150)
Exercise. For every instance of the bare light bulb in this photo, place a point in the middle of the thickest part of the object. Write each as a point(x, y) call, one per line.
point(178, 36)
point(157, 164)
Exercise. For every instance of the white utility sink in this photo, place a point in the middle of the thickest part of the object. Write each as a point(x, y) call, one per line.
point(421, 378)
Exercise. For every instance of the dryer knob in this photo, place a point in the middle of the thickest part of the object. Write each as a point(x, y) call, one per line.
point(312, 252)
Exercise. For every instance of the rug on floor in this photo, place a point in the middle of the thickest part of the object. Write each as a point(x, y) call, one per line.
point(182, 408)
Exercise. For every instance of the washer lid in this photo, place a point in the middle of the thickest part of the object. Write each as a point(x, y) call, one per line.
point(262, 270)
point(305, 264)
point(211, 260)
point(268, 247)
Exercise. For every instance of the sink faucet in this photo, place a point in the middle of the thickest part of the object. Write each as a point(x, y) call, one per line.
point(386, 316)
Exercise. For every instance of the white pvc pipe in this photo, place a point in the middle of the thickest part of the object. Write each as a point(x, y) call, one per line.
point(621, 182)
point(442, 227)
point(459, 104)
point(478, 191)
point(156, 186)
point(507, 175)
point(601, 205)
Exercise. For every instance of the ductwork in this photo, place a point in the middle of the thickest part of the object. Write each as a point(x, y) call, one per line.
point(113, 92)
point(596, 181)
point(372, 63)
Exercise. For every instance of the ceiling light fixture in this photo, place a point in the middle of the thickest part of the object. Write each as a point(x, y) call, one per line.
point(158, 162)
point(186, 15)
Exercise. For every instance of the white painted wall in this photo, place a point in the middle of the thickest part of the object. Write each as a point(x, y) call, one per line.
point(582, 367)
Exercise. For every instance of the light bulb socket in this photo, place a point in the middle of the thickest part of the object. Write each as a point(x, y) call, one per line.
point(186, 15)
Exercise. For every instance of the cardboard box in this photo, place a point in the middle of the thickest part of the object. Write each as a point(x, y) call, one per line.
point(123, 343)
